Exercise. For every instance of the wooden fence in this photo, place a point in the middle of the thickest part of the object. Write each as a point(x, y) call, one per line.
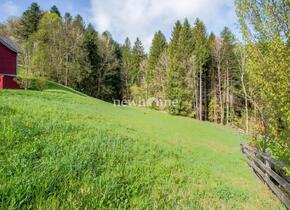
point(270, 171)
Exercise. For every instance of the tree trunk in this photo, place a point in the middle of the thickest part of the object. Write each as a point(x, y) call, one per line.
point(227, 96)
point(200, 94)
point(66, 71)
point(220, 95)
point(99, 86)
point(196, 97)
point(246, 103)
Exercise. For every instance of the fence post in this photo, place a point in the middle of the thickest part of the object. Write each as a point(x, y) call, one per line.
point(268, 165)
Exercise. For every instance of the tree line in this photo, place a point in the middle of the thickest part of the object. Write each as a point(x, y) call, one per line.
point(211, 77)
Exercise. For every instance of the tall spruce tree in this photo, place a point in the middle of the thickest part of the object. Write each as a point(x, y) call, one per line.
point(67, 18)
point(126, 63)
point(108, 69)
point(29, 22)
point(187, 72)
point(89, 84)
point(213, 103)
point(55, 10)
point(138, 55)
point(176, 77)
point(78, 21)
point(201, 51)
point(230, 70)
point(157, 47)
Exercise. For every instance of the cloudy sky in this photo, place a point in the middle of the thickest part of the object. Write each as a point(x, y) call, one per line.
point(137, 18)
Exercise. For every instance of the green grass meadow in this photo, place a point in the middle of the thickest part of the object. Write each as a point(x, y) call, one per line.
point(63, 150)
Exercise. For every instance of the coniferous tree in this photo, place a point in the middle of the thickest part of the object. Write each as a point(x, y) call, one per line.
point(67, 17)
point(230, 69)
point(108, 71)
point(201, 51)
point(138, 55)
point(55, 10)
point(89, 83)
point(126, 62)
point(185, 69)
point(157, 47)
point(175, 84)
point(78, 21)
point(29, 21)
point(212, 92)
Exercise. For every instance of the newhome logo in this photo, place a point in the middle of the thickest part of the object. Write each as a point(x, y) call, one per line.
point(141, 102)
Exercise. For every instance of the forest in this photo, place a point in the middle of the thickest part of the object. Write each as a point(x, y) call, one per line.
point(213, 77)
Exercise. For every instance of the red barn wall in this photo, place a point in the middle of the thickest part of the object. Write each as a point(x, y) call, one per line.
point(8, 82)
point(1, 82)
point(8, 60)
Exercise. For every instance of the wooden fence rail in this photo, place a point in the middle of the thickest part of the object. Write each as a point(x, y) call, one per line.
point(269, 171)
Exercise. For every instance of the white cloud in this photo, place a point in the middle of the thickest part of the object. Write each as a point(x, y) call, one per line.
point(142, 18)
point(9, 8)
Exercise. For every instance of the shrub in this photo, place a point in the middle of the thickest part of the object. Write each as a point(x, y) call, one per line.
point(32, 83)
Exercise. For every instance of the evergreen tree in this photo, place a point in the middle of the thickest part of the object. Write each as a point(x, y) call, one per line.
point(174, 39)
point(175, 90)
point(67, 18)
point(126, 68)
point(89, 84)
point(185, 42)
point(29, 21)
point(91, 44)
point(138, 56)
point(201, 51)
point(185, 68)
point(78, 22)
point(230, 69)
point(157, 47)
point(211, 81)
point(55, 10)
point(108, 79)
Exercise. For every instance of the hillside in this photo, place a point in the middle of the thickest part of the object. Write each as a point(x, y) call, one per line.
point(60, 149)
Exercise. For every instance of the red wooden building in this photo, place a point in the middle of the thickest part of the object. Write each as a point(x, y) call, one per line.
point(8, 64)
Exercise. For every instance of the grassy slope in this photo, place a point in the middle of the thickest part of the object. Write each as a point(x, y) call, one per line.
point(63, 150)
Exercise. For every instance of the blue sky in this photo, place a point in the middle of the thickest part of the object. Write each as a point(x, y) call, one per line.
point(134, 18)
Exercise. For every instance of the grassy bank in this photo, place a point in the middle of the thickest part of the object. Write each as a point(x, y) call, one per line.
point(62, 150)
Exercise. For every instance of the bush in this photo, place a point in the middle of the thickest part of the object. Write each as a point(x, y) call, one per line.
point(32, 83)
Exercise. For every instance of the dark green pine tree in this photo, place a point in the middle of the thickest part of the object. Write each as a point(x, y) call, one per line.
point(231, 73)
point(115, 79)
point(184, 69)
point(229, 44)
point(138, 56)
point(186, 42)
point(67, 18)
point(201, 51)
point(174, 39)
point(55, 10)
point(29, 21)
point(157, 47)
point(78, 21)
point(175, 78)
point(126, 66)
point(210, 78)
point(108, 73)
point(89, 84)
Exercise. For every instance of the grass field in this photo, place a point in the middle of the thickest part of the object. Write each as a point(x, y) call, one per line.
point(61, 150)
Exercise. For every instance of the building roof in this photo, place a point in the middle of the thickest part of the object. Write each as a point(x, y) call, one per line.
point(8, 43)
